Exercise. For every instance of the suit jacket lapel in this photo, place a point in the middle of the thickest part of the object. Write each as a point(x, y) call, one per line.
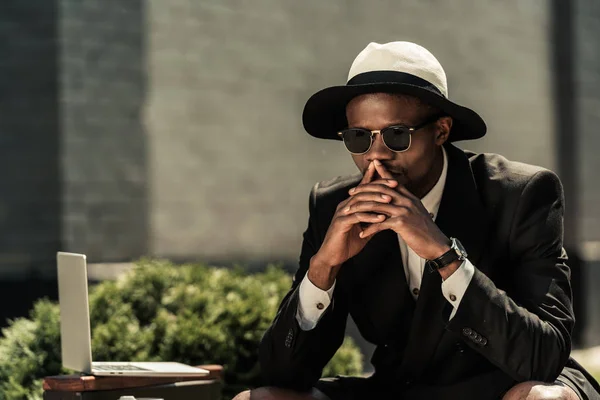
point(461, 215)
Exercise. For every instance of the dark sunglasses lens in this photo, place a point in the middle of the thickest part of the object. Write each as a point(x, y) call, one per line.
point(357, 140)
point(396, 138)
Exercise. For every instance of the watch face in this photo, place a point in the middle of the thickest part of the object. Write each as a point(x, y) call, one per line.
point(460, 250)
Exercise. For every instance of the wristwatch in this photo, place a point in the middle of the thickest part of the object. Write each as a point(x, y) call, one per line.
point(456, 252)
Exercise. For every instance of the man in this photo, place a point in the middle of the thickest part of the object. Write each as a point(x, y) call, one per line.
point(450, 262)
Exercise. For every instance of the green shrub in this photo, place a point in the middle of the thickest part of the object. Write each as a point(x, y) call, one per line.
point(158, 311)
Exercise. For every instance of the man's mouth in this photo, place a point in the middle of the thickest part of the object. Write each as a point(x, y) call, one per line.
point(394, 173)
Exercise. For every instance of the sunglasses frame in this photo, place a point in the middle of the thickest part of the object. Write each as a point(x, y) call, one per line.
point(410, 129)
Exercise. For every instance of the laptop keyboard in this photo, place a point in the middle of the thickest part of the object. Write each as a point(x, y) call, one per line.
point(109, 368)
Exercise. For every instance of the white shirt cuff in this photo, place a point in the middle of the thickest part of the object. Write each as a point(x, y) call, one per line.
point(455, 286)
point(312, 303)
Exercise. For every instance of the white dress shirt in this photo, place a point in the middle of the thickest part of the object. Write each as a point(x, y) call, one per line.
point(313, 301)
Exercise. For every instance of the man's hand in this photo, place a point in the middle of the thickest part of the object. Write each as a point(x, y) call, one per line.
point(343, 239)
point(405, 214)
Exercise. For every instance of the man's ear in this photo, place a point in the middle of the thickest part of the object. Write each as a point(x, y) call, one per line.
point(444, 125)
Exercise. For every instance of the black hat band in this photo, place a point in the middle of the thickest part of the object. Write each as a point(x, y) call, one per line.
point(378, 77)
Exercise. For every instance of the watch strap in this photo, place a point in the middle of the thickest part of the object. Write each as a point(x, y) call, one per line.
point(444, 260)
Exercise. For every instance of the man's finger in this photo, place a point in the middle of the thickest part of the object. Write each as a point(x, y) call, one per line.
point(379, 182)
point(387, 182)
point(405, 192)
point(343, 204)
point(367, 196)
point(397, 198)
point(384, 173)
point(372, 229)
point(356, 218)
point(374, 207)
point(369, 174)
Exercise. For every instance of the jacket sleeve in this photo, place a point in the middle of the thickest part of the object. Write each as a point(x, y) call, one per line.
point(290, 357)
point(525, 330)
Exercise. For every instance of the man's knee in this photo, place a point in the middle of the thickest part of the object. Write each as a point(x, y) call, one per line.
point(272, 393)
point(245, 395)
point(540, 391)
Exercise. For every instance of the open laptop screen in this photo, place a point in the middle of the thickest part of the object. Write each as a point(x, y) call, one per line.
point(75, 330)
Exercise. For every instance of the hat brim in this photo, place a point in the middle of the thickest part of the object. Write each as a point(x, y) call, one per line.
point(324, 114)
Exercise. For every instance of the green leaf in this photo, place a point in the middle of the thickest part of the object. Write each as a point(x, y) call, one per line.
point(159, 311)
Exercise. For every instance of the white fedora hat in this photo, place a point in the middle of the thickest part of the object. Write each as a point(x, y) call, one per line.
point(395, 67)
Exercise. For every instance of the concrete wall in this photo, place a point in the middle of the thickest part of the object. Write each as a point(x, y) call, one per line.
point(230, 166)
point(103, 163)
point(587, 79)
point(587, 52)
point(30, 210)
point(173, 128)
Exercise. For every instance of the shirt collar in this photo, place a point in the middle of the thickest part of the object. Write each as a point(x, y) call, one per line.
point(433, 198)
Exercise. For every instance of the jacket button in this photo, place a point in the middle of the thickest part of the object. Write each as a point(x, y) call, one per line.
point(460, 347)
point(467, 332)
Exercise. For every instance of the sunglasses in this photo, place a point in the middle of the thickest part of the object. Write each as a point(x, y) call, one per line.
point(397, 138)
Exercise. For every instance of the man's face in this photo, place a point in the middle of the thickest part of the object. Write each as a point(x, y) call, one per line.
point(414, 167)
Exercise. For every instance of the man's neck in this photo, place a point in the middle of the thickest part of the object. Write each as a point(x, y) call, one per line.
point(433, 175)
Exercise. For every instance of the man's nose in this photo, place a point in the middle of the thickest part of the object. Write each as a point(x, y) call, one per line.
point(379, 150)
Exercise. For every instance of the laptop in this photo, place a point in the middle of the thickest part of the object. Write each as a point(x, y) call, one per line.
point(76, 342)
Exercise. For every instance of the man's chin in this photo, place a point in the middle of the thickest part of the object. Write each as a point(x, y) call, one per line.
point(404, 181)
point(400, 178)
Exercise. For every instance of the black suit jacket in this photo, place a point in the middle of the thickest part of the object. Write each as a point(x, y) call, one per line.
point(514, 322)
